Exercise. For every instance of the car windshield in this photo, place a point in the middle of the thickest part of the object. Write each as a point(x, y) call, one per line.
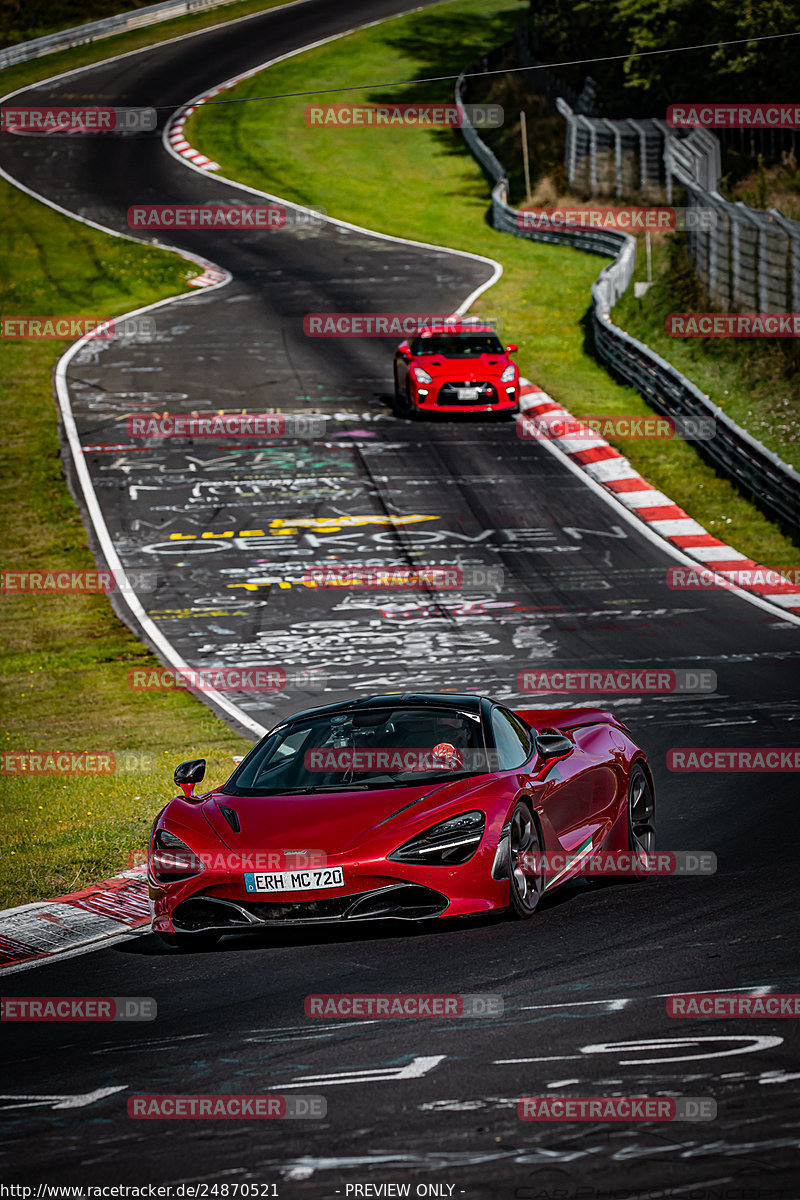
point(458, 345)
point(363, 749)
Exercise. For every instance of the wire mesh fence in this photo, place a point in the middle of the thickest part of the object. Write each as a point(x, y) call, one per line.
point(747, 259)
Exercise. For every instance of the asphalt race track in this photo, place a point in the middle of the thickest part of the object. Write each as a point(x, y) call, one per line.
point(584, 983)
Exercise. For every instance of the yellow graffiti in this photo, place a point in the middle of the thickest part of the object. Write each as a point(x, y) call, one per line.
point(253, 587)
point(177, 614)
point(281, 527)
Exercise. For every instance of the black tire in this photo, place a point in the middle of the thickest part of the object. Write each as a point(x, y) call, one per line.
point(190, 941)
point(641, 814)
point(403, 405)
point(525, 885)
point(410, 410)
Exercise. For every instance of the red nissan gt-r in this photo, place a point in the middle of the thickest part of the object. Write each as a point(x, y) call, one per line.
point(413, 806)
point(455, 368)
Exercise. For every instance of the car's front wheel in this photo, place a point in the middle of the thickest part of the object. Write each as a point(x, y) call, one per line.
point(526, 880)
point(403, 404)
point(641, 813)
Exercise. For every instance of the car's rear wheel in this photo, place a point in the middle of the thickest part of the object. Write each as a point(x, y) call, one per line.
point(641, 813)
point(190, 941)
point(526, 883)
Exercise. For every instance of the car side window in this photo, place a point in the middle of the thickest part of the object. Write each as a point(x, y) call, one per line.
point(512, 740)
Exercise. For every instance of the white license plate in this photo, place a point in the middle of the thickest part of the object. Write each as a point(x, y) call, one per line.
point(468, 393)
point(294, 881)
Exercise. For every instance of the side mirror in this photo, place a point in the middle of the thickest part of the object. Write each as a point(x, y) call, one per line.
point(405, 351)
point(187, 774)
point(553, 745)
point(510, 349)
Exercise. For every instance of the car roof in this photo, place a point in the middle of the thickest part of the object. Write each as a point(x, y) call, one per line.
point(462, 702)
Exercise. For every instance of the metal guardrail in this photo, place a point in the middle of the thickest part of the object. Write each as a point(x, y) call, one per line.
point(81, 35)
point(772, 483)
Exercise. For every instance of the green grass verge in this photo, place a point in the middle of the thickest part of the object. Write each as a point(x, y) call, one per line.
point(425, 185)
point(64, 662)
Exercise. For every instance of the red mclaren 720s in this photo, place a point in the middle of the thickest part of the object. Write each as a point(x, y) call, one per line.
point(410, 806)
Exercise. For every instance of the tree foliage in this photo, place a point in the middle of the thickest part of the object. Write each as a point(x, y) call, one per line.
point(755, 72)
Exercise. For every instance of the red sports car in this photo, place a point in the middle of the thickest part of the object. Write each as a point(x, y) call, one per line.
point(455, 368)
point(405, 806)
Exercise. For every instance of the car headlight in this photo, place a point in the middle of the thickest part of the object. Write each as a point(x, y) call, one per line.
point(508, 374)
point(450, 843)
point(422, 376)
point(171, 859)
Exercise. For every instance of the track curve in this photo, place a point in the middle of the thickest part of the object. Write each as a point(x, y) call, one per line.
point(582, 588)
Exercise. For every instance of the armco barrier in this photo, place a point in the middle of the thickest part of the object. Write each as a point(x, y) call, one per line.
point(749, 259)
point(80, 35)
point(773, 484)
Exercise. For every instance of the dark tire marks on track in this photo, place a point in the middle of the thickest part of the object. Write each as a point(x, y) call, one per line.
point(583, 588)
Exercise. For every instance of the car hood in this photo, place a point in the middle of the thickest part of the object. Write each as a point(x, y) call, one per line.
point(329, 821)
point(463, 368)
